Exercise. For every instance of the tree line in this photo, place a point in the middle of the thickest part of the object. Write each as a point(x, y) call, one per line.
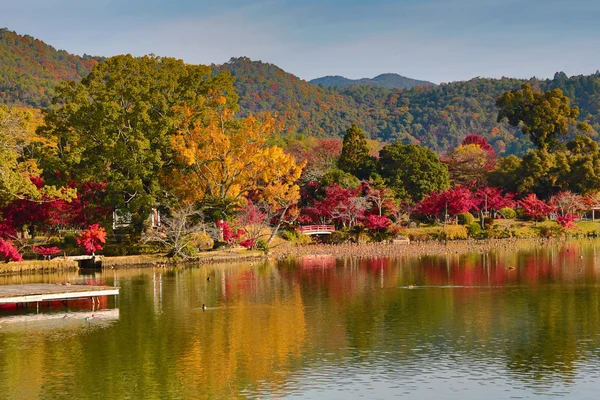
point(140, 134)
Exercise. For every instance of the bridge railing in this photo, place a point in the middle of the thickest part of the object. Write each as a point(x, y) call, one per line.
point(316, 228)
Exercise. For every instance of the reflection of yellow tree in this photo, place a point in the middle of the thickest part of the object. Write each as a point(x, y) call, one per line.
point(251, 342)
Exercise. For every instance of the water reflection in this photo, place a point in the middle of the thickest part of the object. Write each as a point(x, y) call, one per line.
point(524, 323)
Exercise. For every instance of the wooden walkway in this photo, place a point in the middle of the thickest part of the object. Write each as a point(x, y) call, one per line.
point(35, 293)
point(317, 229)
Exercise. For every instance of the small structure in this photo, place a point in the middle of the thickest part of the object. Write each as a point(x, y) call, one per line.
point(400, 240)
point(316, 229)
point(88, 261)
point(40, 292)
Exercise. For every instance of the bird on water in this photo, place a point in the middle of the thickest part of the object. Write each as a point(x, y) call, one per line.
point(89, 318)
point(203, 306)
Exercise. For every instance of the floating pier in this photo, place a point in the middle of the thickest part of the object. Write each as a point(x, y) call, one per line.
point(40, 292)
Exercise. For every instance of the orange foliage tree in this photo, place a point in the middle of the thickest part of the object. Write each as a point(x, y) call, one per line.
point(222, 159)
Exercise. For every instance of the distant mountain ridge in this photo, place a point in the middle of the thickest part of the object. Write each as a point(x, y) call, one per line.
point(437, 116)
point(388, 81)
point(30, 69)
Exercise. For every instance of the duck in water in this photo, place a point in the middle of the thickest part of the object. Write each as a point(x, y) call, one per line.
point(203, 306)
point(89, 318)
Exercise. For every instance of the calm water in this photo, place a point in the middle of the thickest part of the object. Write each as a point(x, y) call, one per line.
point(521, 324)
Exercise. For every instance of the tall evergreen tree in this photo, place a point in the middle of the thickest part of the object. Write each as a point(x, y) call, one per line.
point(355, 158)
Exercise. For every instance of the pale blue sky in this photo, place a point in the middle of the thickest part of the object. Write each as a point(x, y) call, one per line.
point(436, 40)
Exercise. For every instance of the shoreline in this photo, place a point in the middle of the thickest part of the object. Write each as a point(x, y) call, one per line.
point(363, 250)
point(134, 261)
point(413, 249)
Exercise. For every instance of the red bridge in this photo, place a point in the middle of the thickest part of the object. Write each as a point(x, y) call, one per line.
point(317, 229)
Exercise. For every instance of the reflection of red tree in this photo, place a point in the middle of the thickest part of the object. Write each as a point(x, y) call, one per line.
point(245, 282)
point(465, 270)
point(345, 278)
point(318, 262)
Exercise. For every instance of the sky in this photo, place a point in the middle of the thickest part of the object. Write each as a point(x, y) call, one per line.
point(434, 40)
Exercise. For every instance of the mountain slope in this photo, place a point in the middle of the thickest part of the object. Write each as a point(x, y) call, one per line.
point(388, 81)
point(436, 116)
point(302, 107)
point(30, 69)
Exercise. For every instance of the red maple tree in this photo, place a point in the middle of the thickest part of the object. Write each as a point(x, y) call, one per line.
point(92, 239)
point(535, 208)
point(9, 252)
point(45, 251)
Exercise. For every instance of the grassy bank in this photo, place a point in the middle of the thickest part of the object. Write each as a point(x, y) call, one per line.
point(209, 257)
point(134, 261)
point(37, 266)
point(503, 229)
point(412, 249)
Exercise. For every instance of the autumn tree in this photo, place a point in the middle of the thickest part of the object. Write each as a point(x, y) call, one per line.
point(456, 200)
point(535, 208)
point(179, 231)
point(17, 166)
point(9, 252)
point(221, 159)
point(567, 202)
point(493, 199)
point(480, 141)
point(412, 171)
point(468, 164)
point(92, 239)
point(344, 206)
point(319, 154)
point(380, 197)
point(543, 116)
point(355, 158)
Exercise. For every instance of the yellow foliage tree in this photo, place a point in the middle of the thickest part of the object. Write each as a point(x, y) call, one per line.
point(221, 159)
point(17, 166)
point(468, 164)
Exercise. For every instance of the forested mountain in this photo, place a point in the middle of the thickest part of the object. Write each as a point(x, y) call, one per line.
point(30, 69)
point(436, 116)
point(388, 81)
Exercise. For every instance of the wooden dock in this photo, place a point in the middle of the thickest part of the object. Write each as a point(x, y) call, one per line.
point(38, 292)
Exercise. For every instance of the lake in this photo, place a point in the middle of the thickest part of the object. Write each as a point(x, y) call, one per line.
point(506, 324)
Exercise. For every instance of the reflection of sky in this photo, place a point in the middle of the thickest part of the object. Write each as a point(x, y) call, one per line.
point(455, 383)
point(437, 40)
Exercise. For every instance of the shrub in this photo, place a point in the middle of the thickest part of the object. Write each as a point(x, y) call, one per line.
point(488, 222)
point(465, 218)
point(262, 245)
point(202, 241)
point(341, 236)
point(475, 231)
point(507, 213)
point(550, 231)
point(521, 215)
point(54, 242)
point(494, 231)
point(70, 239)
point(291, 235)
point(453, 232)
